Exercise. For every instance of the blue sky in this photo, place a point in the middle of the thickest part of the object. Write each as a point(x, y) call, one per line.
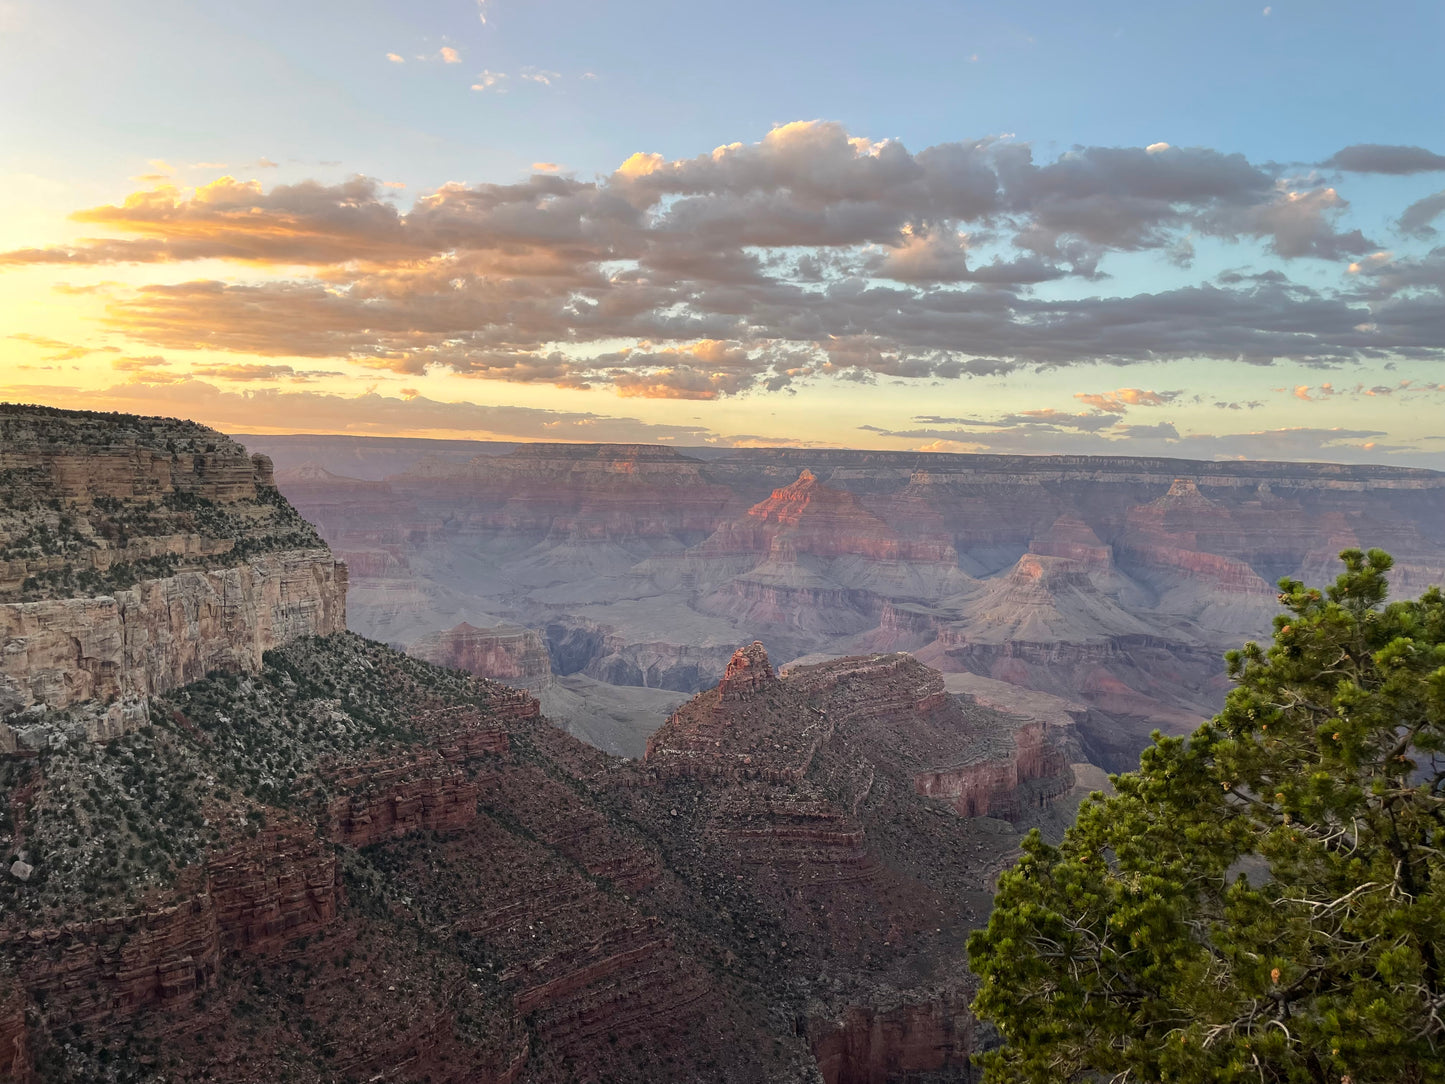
point(1176, 257)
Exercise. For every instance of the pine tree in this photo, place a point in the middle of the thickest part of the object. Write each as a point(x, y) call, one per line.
point(1263, 901)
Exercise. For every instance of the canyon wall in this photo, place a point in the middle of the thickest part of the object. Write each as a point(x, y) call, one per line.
point(505, 653)
point(138, 554)
point(866, 1045)
point(163, 633)
point(644, 566)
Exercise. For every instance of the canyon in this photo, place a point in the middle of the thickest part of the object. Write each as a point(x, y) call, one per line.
point(1115, 582)
point(243, 844)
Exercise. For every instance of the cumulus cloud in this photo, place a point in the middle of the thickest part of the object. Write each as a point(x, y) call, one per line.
point(449, 55)
point(811, 253)
point(1385, 158)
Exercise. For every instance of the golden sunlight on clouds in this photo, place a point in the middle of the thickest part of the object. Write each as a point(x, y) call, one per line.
point(1118, 401)
point(641, 164)
point(951, 446)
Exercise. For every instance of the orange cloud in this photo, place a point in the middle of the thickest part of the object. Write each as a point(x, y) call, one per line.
point(1121, 399)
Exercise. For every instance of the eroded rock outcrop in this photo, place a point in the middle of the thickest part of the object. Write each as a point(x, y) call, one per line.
point(143, 553)
point(162, 633)
point(868, 1045)
point(514, 656)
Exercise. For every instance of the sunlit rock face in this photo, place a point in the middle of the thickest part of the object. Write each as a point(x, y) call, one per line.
point(137, 554)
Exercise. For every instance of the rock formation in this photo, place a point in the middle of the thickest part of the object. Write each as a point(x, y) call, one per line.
point(646, 566)
point(143, 553)
point(309, 856)
point(505, 653)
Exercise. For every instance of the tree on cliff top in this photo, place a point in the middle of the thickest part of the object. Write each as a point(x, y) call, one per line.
point(1263, 901)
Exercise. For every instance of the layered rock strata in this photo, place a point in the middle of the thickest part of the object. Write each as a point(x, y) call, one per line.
point(646, 566)
point(162, 633)
point(505, 653)
point(141, 554)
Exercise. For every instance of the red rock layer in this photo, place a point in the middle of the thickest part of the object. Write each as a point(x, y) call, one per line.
point(865, 1045)
point(88, 973)
point(1069, 536)
point(811, 518)
point(17, 1063)
point(271, 889)
point(997, 787)
point(748, 673)
point(396, 797)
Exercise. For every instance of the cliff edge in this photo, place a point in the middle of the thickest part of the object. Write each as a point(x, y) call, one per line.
point(136, 555)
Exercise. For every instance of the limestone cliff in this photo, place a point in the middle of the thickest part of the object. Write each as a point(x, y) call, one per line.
point(140, 554)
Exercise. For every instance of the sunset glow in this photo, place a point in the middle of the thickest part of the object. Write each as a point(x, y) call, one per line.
point(1079, 241)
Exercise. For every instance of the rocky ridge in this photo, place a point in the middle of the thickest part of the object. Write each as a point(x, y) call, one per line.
point(137, 554)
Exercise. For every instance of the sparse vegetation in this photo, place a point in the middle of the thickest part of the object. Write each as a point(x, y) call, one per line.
point(165, 496)
point(110, 822)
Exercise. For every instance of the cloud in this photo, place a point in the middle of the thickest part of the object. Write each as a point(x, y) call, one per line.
point(1385, 158)
point(144, 364)
point(285, 411)
point(812, 253)
point(1403, 388)
point(1120, 400)
point(1025, 434)
point(540, 75)
point(545, 167)
point(250, 372)
point(490, 80)
point(61, 350)
point(396, 58)
point(449, 55)
point(1417, 218)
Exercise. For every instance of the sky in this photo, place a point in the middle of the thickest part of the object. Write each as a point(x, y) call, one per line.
point(1205, 230)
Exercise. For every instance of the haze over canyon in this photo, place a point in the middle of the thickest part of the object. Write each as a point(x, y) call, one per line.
point(618, 573)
